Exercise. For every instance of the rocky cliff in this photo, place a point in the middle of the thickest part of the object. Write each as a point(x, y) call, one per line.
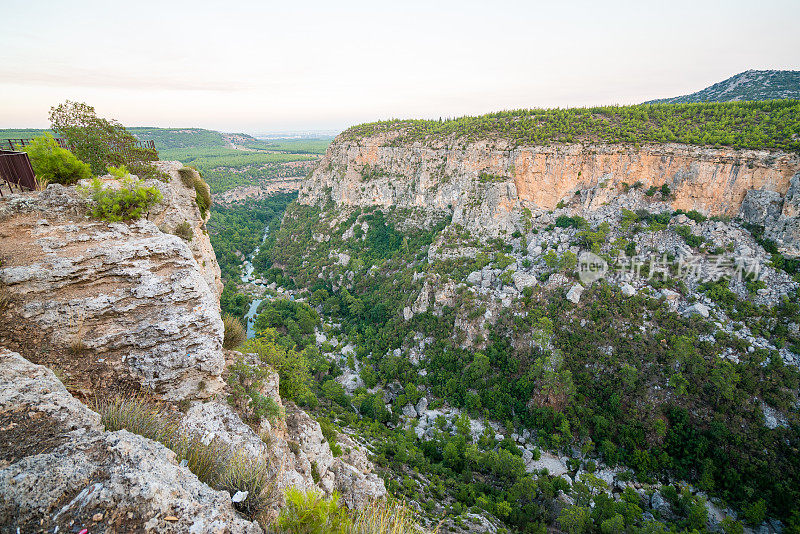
point(143, 302)
point(119, 309)
point(486, 185)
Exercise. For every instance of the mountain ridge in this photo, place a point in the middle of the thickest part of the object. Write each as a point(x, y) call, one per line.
point(750, 85)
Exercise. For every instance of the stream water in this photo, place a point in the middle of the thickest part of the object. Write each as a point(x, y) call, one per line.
point(247, 278)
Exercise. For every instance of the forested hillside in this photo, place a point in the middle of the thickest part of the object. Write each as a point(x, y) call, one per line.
point(498, 387)
point(761, 125)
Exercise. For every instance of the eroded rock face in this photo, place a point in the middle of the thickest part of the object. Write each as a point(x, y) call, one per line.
point(485, 185)
point(68, 473)
point(132, 296)
point(179, 206)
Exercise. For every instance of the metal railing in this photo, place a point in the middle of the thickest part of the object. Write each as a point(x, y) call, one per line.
point(20, 143)
point(149, 146)
point(15, 169)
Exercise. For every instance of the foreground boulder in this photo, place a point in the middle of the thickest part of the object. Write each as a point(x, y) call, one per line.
point(65, 473)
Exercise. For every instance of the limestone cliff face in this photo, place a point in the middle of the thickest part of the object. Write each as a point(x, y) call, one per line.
point(486, 184)
point(178, 207)
point(112, 302)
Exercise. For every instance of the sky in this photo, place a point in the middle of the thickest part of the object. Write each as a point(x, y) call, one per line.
point(258, 66)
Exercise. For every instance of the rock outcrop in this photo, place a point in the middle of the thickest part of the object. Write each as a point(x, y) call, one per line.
point(179, 207)
point(295, 445)
point(60, 472)
point(486, 185)
point(127, 297)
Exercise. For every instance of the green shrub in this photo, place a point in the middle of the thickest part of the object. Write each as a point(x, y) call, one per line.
point(100, 142)
point(577, 222)
point(235, 333)
point(309, 512)
point(184, 231)
point(129, 202)
point(191, 178)
point(245, 381)
point(54, 164)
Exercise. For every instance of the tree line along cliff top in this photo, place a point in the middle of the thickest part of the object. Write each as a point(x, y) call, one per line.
point(772, 125)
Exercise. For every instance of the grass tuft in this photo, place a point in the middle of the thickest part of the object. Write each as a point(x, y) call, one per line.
point(136, 415)
point(184, 231)
point(235, 334)
point(384, 517)
point(243, 473)
point(214, 463)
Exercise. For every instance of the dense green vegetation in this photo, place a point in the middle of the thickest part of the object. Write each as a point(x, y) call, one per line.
point(172, 138)
point(23, 133)
point(226, 168)
point(658, 397)
point(771, 124)
point(295, 146)
point(53, 164)
point(238, 229)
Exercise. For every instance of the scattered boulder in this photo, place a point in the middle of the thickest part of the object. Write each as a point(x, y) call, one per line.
point(627, 289)
point(574, 293)
point(554, 465)
point(697, 309)
point(409, 411)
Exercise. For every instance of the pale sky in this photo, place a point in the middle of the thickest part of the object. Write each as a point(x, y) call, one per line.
point(258, 66)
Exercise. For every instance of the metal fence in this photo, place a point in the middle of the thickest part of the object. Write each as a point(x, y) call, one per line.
point(147, 149)
point(20, 143)
point(16, 170)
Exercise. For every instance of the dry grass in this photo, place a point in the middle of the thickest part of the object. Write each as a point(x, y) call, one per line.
point(77, 346)
point(214, 463)
point(138, 416)
point(191, 178)
point(5, 298)
point(235, 333)
point(384, 517)
point(253, 475)
point(184, 231)
point(41, 183)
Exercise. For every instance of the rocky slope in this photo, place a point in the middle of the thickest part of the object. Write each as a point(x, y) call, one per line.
point(486, 186)
point(458, 257)
point(116, 308)
point(747, 85)
point(59, 471)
